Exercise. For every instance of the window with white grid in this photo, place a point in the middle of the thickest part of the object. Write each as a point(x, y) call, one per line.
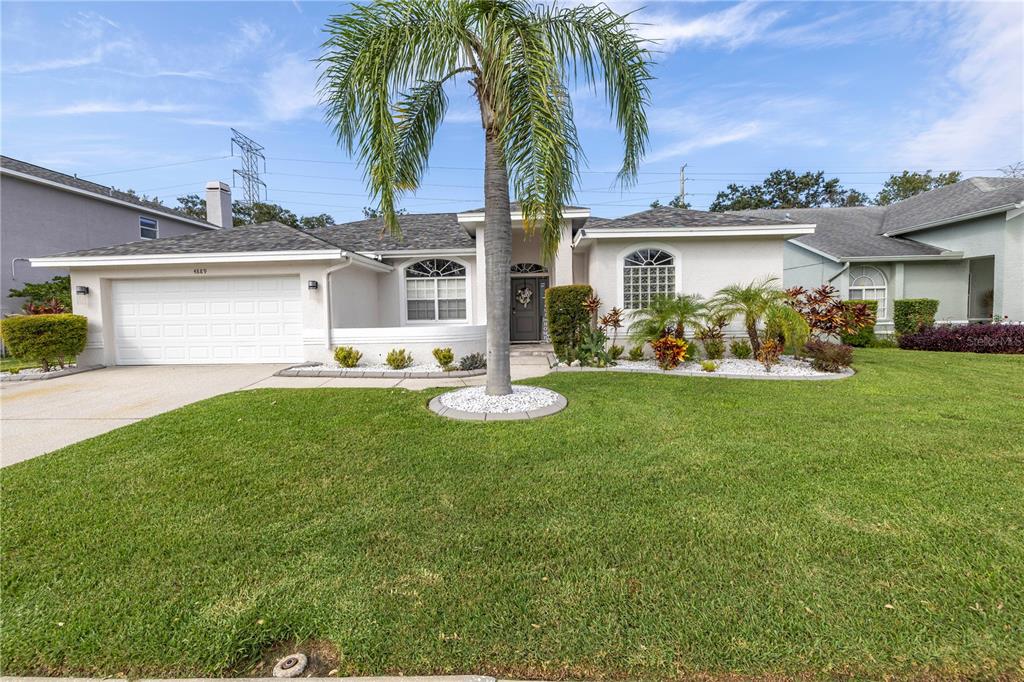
point(868, 284)
point(435, 289)
point(646, 274)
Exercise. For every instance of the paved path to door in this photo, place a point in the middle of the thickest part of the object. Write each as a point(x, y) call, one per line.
point(37, 417)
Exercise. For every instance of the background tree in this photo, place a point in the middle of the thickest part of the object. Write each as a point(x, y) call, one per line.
point(371, 212)
point(785, 189)
point(385, 69)
point(675, 202)
point(907, 184)
point(260, 212)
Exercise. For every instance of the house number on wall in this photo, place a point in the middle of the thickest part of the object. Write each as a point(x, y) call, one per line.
point(199, 271)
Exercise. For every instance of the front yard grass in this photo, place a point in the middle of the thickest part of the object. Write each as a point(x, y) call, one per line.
point(659, 527)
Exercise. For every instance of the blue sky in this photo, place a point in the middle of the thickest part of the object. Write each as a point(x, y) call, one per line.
point(109, 90)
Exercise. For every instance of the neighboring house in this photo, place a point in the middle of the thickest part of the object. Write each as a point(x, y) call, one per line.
point(272, 293)
point(43, 211)
point(962, 244)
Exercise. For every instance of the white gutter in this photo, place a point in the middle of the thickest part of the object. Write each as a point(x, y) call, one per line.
point(946, 255)
point(221, 257)
point(327, 294)
point(478, 216)
point(954, 219)
point(726, 231)
point(398, 253)
point(112, 200)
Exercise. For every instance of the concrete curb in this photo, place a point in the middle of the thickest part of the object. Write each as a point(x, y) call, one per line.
point(437, 408)
point(710, 375)
point(316, 370)
point(49, 375)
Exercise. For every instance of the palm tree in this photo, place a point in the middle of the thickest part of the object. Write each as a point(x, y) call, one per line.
point(669, 313)
point(751, 301)
point(385, 67)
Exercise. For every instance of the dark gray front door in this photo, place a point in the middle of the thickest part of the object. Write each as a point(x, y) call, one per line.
point(527, 307)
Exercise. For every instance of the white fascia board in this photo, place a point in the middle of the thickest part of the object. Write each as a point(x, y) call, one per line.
point(178, 258)
point(365, 261)
point(478, 216)
point(419, 252)
point(110, 200)
point(945, 255)
point(953, 219)
point(815, 251)
point(728, 231)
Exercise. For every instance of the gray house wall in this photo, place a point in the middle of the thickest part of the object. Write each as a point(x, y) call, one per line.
point(39, 220)
point(806, 269)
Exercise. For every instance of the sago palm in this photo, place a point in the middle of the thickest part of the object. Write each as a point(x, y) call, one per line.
point(385, 67)
point(668, 313)
point(751, 301)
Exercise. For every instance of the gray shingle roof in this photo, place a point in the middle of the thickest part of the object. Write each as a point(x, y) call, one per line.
point(669, 216)
point(263, 237)
point(848, 232)
point(424, 231)
point(949, 202)
point(26, 168)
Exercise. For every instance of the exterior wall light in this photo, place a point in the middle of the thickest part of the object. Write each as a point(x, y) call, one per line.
point(81, 289)
point(312, 284)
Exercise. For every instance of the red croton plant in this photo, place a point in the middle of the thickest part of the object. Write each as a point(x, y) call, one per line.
point(51, 307)
point(827, 314)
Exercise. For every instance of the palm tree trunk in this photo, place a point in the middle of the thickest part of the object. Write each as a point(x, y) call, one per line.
point(498, 260)
point(755, 342)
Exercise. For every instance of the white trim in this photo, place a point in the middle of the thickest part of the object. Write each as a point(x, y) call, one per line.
point(952, 219)
point(1018, 210)
point(440, 253)
point(725, 231)
point(886, 313)
point(403, 312)
point(111, 200)
point(223, 257)
point(435, 333)
point(947, 255)
point(478, 216)
point(814, 250)
point(620, 257)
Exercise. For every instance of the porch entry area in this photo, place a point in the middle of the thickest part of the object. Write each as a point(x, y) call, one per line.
point(529, 281)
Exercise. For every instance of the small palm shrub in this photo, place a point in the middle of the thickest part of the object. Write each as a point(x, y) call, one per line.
point(829, 357)
point(769, 353)
point(669, 351)
point(636, 353)
point(708, 365)
point(445, 357)
point(472, 361)
point(749, 301)
point(741, 349)
point(347, 356)
point(399, 358)
point(788, 326)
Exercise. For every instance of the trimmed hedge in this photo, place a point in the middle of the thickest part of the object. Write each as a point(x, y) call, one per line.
point(567, 318)
point(866, 334)
point(972, 338)
point(909, 315)
point(45, 338)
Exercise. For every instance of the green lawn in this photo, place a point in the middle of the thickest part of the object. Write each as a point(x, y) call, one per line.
point(10, 364)
point(657, 528)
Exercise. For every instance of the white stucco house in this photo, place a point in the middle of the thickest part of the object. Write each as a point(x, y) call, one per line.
point(962, 244)
point(273, 293)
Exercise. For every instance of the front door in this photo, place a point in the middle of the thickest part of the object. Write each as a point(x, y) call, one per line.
point(527, 308)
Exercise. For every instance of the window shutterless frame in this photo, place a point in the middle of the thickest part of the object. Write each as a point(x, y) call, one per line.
point(435, 290)
point(148, 228)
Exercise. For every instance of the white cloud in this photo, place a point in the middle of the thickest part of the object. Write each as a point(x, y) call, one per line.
point(115, 107)
point(976, 115)
point(288, 90)
point(94, 56)
point(733, 27)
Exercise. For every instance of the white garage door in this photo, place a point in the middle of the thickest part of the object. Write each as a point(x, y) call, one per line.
point(207, 320)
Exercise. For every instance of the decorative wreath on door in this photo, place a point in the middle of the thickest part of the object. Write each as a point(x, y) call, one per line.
point(524, 295)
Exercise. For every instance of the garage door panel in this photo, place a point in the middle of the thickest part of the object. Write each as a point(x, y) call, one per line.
point(216, 320)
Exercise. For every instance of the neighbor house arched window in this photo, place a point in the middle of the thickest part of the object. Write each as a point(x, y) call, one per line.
point(647, 274)
point(435, 289)
point(867, 283)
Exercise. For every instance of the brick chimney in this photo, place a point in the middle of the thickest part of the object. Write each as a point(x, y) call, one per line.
point(218, 204)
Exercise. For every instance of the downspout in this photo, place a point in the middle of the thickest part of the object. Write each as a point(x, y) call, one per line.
point(327, 292)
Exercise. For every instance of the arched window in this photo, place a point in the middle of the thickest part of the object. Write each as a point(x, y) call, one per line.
point(868, 284)
point(435, 289)
point(527, 268)
point(646, 274)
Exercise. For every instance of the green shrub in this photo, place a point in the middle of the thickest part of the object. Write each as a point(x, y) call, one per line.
point(473, 361)
point(591, 351)
point(863, 336)
point(45, 338)
point(883, 342)
point(708, 365)
point(741, 349)
point(399, 358)
point(829, 357)
point(445, 357)
point(347, 356)
point(567, 317)
point(909, 315)
point(615, 352)
point(57, 290)
point(714, 348)
point(636, 353)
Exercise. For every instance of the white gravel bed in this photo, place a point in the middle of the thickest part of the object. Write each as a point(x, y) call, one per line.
point(39, 370)
point(475, 399)
point(787, 367)
point(384, 367)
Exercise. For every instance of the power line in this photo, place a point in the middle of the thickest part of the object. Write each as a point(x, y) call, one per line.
point(252, 155)
point(162, 165)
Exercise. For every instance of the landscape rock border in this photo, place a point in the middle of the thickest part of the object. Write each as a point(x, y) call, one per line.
point(437, 407)
point(315, 369)
point(38, 376)
point(849, 372)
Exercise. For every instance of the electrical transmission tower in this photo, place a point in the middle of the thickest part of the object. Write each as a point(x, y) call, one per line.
point(252, 157)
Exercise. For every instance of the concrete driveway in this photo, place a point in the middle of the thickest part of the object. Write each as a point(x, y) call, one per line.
point(37, 417)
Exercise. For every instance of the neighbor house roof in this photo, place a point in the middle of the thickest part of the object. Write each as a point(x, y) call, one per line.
point(516, 207)
point(420, 231)
point(852, 232)
point(669, 217)
point(32, 172)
